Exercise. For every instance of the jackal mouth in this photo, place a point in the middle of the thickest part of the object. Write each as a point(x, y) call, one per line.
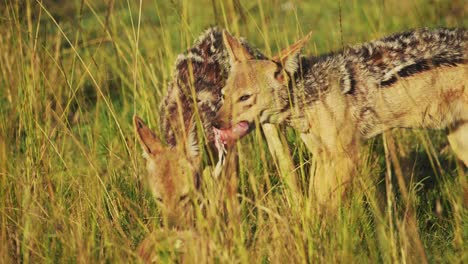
point(228, 136)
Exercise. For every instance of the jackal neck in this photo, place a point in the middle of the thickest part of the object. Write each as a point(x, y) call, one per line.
point(314, 79)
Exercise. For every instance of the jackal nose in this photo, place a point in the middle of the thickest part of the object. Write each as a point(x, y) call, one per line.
point(222, 120)
point(221, 123)
point(216, 123)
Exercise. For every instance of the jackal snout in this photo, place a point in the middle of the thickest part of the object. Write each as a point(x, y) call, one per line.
point(222, 120)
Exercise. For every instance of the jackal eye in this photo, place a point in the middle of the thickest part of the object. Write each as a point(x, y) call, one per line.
point(245, 97)
point(278, 73)
point(159, 199)
point(183, 197)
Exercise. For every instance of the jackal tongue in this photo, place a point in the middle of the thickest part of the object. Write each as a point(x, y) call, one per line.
point(229, 136)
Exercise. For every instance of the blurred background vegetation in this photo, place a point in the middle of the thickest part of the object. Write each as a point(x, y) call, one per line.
point(72, 74)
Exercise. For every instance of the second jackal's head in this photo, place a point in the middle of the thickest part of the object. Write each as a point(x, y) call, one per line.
point(255, 89)
point(172, 173)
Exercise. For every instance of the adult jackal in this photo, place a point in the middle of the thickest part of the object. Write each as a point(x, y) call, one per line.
point(412, 79)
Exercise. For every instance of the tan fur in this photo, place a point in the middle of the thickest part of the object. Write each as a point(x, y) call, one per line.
point(432, 99)
point(414, 80)
point(458, 138)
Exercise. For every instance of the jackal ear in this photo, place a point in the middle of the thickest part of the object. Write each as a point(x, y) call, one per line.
point(237, 52)
point(148, 140)
point(289, 57)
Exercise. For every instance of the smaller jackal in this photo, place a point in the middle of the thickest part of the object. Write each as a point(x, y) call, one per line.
point(411, 79)
point(173, 174)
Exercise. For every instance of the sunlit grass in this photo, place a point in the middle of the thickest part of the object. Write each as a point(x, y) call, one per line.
point(73, 73)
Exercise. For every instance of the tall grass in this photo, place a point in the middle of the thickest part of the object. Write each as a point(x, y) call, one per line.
point(72, 74)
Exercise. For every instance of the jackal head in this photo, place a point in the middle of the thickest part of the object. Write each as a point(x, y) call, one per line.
point(173, 173)
point(255, 89)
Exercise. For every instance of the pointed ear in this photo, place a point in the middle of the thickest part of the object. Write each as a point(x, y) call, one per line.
point(289, 57)
point(192, 147)
point(237, 52)
point(148, 140)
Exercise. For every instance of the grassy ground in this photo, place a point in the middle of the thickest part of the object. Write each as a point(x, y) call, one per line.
point(72, 74)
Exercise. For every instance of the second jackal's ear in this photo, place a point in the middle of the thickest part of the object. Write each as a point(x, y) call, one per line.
point(237, 52)
point(289, 57)
point(148, 140)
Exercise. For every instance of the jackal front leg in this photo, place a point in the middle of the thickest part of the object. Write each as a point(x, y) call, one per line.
point(331, 173)
point(458, 139)
point(281, 155)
